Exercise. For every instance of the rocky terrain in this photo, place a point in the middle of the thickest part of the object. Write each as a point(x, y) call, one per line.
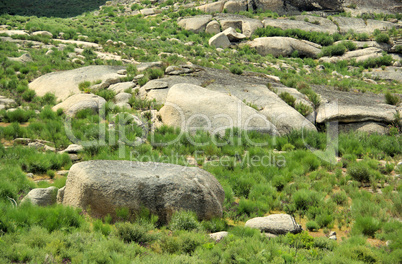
point(185, 132)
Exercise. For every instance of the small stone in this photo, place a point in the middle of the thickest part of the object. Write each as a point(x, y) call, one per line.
point(30, 175)
point(218, 236)
point(333, 238)
point(122, 72)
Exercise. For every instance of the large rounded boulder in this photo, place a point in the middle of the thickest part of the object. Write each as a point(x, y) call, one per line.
point(101, 187)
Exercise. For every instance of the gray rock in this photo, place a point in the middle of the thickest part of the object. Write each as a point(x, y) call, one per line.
point(192, 107)
point(216, 7)
point(178, 70)
point(233, 35)
point(147, 11)
point(105, 186)
point(42, 196)
point(366, 127)
point(42, 33)
point(269, 235)
point(60, 195)
point(333, 111)
point(333, 237)
point(24, 58)
point(314, 24)
point(73, 148)
point(235, 6)
point(155, 84)
point(195, 24)
point(13, 32)
point(121, 87)
point(359, 25)
point(6, 103)
point(220, 40)
point(73, 104)
point(389, 74)
point(277, 224)
point(218, 236)
point(284, 46)
point(213, 27)
point(65, 83)
point(122, 98)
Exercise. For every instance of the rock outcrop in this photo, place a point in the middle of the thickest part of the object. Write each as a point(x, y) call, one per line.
point(65, 83)
point(277, 224)
point(42, 196)
point(284, 46)
point(73, 104)
point(193, 107)
point(105, 186)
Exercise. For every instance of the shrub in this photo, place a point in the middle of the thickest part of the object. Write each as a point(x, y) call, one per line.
point(129, 232)
point(366, 225)
point(312, 226)
point(48, 99)
point(106, 94)
point(28, 95)
point(349, 45)
point(359, 171)
point(382, 38)
point(391, 99)
point(83, 86)
point(324, 220)
point(215, 225)
point(19, 115)
point(184, 220)
point(236, 70)
point(335, 50)
point(154, 73)
point(303, 109)
point(288, 98)
point(340, 198)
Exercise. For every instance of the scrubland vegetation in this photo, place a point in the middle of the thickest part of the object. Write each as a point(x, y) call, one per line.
point(358, 195)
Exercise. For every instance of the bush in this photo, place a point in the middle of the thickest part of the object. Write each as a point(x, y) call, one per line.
point(324, 220)
point(382, 38)
point(18, 115)
point(366, 225)
point(312, 226)
point(391, 99)
point(106, 94)
point(340, 198)
point(303, 109)
point(288, 98)
point(48, 99)
point(335, 50)
point(359, 171)
point(28, 95)
point(129, 232)
point(236, 70)
point(184, 220)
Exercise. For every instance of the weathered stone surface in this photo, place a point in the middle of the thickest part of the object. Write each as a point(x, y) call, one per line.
point(333, 111)
point(277, 224)
point(65, 83)
point(216, 7)
point(195, 24)
point(366, 127)
point(6, 103)
point(72, 105)
point(42, 196)
point(147, 11)
point(358, 25)
point(82, 44)
point(235, 6)
point(24, 58)
point(390, 73)
point(265, 5)
point(322, 24)
point(218, 236)
point(155, 84)
point(13, 32)
point(122, 98)
point(233, 35)
point(192, 107)
point(105, 186)
point(220, 40)
point(42, 33)
point(121, 87)
point(73, 148)
point(284, 46)
point(374, 6)
point(60, 195)
point(359, 55)
point(213, 27)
